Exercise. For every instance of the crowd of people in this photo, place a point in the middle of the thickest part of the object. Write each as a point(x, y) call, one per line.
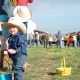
point(37, 38)
point(72, 39)
point(60, 40)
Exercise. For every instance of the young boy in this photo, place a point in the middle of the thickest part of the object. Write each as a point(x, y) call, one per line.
point(17, 46)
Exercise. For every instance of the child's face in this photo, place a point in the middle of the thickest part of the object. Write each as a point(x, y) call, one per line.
point(13, 30)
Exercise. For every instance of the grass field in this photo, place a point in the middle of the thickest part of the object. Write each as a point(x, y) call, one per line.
point(44, 61)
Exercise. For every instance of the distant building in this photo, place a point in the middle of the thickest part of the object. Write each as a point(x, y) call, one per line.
point(39, 31)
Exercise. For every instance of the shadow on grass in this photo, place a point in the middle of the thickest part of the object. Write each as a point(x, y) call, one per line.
point(52, 73)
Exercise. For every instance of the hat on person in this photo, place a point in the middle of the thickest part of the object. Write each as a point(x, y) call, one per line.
point(22, 13)
point(13, 22)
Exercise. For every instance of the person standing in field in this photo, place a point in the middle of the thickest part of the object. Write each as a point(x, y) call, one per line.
point(58, 37)
point(78, 39)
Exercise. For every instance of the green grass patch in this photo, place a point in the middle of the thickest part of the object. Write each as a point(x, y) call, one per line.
point(44, 62)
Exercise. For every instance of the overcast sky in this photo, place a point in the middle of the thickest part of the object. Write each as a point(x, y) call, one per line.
point(54, 15)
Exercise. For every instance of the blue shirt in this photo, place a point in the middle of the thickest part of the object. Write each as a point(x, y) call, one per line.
point(18, 43)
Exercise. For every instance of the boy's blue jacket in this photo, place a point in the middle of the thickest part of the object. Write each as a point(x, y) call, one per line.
point(18, 43)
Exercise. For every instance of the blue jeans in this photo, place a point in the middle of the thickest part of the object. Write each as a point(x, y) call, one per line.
point(37, 42)
point(18, 67)
point(78, 43)
point(75, 43)
point(58, 43)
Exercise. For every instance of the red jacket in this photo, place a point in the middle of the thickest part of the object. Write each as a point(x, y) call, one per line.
point(70, 39)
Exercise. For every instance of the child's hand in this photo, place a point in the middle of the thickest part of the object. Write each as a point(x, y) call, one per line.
point(12, 51)
point(5, 52)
